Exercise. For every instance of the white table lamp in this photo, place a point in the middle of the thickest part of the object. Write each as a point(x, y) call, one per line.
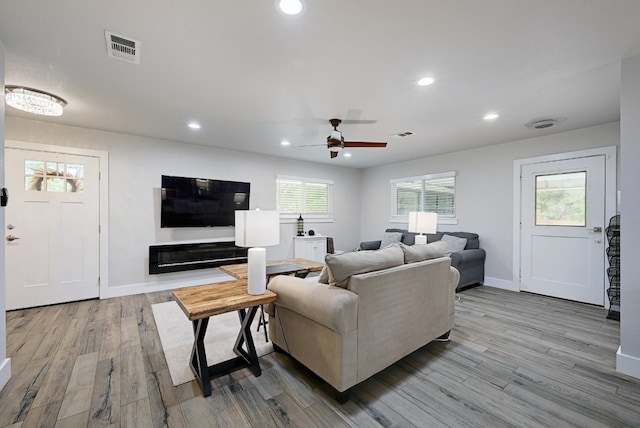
point(422, 222)
point(257, 229)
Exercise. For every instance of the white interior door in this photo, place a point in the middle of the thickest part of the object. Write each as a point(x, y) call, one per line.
point(562, 229)
point(51, 228)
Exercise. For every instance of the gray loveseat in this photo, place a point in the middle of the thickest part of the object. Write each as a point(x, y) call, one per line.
point(469, 262)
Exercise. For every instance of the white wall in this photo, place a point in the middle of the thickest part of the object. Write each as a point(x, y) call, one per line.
point(484, 189)
point(135, 167)
point(5, 363)
point(628, 360)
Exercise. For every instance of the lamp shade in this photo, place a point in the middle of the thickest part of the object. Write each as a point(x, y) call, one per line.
point(257, 228)
point(423, 222)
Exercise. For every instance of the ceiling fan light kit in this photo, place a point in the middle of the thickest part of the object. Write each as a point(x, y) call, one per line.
point(335, 140)
point(34, 101)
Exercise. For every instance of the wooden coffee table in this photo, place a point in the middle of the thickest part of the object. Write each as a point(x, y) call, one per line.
point(204, 301)
point(299, 267)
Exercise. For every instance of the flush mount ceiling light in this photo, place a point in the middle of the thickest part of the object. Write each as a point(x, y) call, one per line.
point(544, 123)
point(34, 101)
point(194, 125)
point(290, 7)
point(491, 116)
point(285, 143)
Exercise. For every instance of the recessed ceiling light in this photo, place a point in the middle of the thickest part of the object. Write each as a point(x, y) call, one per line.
point(285, 143)
point(491, 116)
point(194, 125)
point(426, 81)
point(346, 155)
point(290, 7)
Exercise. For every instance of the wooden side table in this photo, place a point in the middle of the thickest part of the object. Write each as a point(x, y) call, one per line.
point(202, 302)
point(299, 267)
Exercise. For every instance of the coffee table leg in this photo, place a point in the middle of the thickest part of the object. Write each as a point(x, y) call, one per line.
point(199, 357)
point(244, 337)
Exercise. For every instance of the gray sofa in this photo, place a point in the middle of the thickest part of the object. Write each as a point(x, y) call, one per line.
point(376, 308)
point(469, 262)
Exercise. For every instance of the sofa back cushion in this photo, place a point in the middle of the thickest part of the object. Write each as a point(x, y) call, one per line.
point(409, 238)
point(418, 253)
point(340, 267)
point(454, 244)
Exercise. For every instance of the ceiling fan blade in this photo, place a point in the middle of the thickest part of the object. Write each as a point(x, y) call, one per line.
point(307, 145)
point(333, 154)
point(358, 121)
point(363, 144)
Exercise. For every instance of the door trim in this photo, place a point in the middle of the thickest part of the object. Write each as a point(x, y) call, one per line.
point(610, 154)
point(103, 220)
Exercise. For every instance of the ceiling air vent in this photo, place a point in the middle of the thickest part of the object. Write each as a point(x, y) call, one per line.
point(539, 124)
point(403, 134)
point(122, 47)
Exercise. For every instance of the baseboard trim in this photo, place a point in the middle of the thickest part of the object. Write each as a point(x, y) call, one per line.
point(148, 287)
point(627, 364)
point(503, 284)
point(5, 372)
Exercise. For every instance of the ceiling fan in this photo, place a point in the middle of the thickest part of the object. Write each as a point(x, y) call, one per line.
point(335, 141)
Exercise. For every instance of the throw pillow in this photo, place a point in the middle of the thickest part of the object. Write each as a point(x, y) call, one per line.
point(341, 267)
point(454, 244)
point(418, 253)
point(390, 238)
point(324, 275)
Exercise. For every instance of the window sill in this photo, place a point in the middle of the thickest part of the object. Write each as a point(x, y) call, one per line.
point(405, 219)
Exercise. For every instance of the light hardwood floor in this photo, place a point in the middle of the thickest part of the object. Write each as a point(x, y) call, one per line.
point(514, 359)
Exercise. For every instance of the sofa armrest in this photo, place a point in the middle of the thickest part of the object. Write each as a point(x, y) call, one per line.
point(333, 307)
point(467, 256)
point(370, 245)
point(454, 278)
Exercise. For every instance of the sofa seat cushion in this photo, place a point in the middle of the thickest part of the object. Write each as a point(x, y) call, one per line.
point(418, 253)
point(341, 267)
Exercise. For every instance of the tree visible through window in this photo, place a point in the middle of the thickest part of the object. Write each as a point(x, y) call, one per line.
point(561, 199)
point(46, 176)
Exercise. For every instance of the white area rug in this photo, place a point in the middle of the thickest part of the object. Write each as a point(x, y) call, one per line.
point(176, 335)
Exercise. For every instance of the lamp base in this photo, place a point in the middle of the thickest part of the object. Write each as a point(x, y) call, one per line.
point(257, 271)
point(421, 239)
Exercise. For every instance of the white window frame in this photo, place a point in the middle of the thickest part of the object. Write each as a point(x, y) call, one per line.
point(442, 219)
point(316, 218)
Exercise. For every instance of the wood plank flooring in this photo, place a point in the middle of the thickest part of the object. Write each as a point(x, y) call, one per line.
point(514, 360)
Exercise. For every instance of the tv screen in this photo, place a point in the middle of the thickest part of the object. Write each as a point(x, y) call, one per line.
point(201, 202)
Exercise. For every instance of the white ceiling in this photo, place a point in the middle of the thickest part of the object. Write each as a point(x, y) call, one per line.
point(253, 76)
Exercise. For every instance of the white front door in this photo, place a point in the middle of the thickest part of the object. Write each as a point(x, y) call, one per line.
point(562, 229)
point(51, 228)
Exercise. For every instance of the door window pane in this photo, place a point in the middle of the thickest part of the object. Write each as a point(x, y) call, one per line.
point(54, 177)
point(561, 199)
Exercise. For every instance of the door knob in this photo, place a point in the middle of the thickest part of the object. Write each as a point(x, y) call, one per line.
point(11, 238)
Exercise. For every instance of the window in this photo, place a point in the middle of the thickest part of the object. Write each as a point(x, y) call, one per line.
point(561, 199)
point(307, 196)
point(431, 193)
point(45, 176)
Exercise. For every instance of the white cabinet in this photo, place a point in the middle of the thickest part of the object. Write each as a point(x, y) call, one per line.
point(310, 248)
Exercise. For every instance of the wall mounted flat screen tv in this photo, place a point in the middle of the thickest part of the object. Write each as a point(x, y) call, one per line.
point(201, 202)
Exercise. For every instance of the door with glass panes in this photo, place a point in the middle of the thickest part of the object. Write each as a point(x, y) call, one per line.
point(562, 223)
point(51, 227)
